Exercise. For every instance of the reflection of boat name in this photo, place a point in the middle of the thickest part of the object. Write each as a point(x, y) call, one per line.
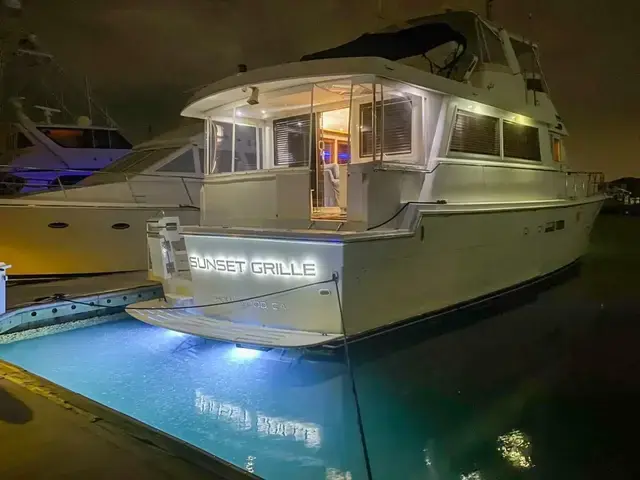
point(220, 299)
point(241, 419)
point(308, 433)
point(224, 411)
point(335, 474)
point(255, 267)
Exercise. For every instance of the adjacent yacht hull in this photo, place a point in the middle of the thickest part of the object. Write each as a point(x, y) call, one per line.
point(294, 290)
point(42, 238)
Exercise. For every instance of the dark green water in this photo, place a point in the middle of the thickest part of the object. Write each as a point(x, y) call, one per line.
point(544, 386)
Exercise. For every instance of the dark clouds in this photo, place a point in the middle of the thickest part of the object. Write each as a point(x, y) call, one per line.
point(143, 55)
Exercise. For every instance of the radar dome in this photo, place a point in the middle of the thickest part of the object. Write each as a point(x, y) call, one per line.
point(84, 121)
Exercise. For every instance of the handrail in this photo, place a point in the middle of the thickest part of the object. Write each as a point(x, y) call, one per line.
point(592, 182)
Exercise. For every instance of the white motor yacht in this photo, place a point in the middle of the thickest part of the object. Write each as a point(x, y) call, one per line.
point(405, 173)
point(52, 133)
point(99, 224)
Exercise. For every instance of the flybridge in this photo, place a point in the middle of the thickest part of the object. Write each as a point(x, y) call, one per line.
point(242, 266)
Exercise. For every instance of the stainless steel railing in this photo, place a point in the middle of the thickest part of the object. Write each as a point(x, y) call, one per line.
point(584, 184)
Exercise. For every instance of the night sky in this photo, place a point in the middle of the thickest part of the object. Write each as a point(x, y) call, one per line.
point(143, 56)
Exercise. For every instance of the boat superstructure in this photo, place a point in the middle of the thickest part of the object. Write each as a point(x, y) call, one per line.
point(52, 133)
point(403, 173)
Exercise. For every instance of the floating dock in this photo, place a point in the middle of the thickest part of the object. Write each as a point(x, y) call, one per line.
point(98, 440)
point(34, 305)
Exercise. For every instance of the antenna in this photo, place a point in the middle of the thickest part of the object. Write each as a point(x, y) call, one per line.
point(489, 9)
point(380, 20)
point(533, 58)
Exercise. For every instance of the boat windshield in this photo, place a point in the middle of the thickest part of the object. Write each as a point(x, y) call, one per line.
point(135, 162)
point(76, 137)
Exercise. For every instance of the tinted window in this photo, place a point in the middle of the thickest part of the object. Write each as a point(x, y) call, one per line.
point(85, 137)
point(475, 134)
point(396, 118)
point(520, 141)
point(291, 140)
point(556, 149)
point(181, 164)
point(139, 160)
point(109, 139)
point(344, 154)
point(246, 148)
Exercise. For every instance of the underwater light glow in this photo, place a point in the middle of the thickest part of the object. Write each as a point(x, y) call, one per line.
point(174, 333)
point(244, 353)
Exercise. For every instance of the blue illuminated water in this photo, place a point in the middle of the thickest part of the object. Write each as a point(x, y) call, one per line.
point(537, 386)
point(280, 417)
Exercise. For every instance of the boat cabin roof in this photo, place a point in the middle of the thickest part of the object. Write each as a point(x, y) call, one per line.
point(457, 41)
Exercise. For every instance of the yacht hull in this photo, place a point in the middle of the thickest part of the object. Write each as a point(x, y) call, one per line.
point(41, 240)
point(365, 286)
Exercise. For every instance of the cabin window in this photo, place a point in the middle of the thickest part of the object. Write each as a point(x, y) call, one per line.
point(138, 161)
point(181, 164)
point(291, 140)
point(19, 141)
point(246, 148)
point(393, 121)
point(556, 149)
point(472, 133)
point(493, 50)
point(344, 152)
point(246, 157)
point(85, 137)
point(201, 159)
point(109, 139)
point(520, 141)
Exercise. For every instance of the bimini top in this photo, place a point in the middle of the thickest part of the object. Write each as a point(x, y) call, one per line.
point(395, 44)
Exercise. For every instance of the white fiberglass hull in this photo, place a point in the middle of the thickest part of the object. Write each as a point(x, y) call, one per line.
point(58, 239)
point(451, 259)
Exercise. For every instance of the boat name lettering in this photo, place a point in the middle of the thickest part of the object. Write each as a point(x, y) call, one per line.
point(271, 268)
point(262, 305)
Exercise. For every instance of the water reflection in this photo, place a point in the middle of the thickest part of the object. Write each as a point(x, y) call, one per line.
point(475, 475)
point(248, 466)
point(265, 425)
point(515, 447)
point(334, 474)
